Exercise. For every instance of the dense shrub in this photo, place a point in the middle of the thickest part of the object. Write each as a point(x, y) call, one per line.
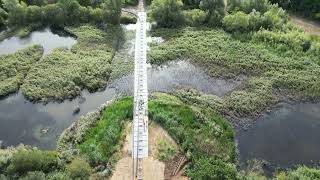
point(248, 6)
point(309, 8)
point(79, 169)
point(127, 19)
point(60, 13)
point(275, 18)
point(216, 11)
point(62, 74)
point(24, 161)
point(301, 173)
point(195, 17)
point(167, 13)
point(14, 68)
point(284, 41)
point(215, 169)
point(166, 150)
point(36, 175)
point(238, 21)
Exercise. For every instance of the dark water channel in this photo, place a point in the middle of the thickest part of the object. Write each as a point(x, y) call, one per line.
point(289, 135)
point(48, 38)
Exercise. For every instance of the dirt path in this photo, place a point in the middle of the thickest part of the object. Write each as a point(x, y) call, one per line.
point(308, 26)
point(153, 168)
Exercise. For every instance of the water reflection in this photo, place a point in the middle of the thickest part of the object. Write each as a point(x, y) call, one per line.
point(48, 39)
point(284, 137)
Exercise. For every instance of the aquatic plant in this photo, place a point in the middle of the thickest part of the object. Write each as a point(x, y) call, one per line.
point(222, 55)
point(63, 74)
point(14, 68)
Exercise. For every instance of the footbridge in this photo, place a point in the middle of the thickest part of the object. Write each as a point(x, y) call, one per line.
point(140, 114)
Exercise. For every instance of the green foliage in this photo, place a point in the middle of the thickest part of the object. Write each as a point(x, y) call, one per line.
point(62, 74)
point(286, 67)
point(248, 6)
point(215, 169)
point(166, 151)
point(195, 17)
point(130, 2)
point(275, 18)
point(128, 19)
point(36, 175)
point(79, 169)
point(309, 8)
point(199, 131)
point(24, 161)
point(112, 11)
point(103, 140)
point(256, 97)
point(14, 68)
point(58, 176)
point(167, 13)
point(302, 173)
point(216, 11)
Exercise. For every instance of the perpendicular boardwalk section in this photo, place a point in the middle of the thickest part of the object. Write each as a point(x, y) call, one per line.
point(140, 114)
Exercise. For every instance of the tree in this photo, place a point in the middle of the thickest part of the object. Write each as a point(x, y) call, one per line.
point(215, 10)
point(16, 12)
point(71, 10)
point(79, 169)
point(112, 11)
point(167, 13)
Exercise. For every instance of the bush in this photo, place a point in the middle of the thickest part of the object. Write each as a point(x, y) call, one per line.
point(302, 173)
point(24, 161)
point(195, 17)
point(215, 169)
point(79, 169)
point(167, 13)
point(216, 11)
point(58, 176)
point(166, 151)
point(127, 19)
point(238, 21)
point(37, 175)
point(248, 6)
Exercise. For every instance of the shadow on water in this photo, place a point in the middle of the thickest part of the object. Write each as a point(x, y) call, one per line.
point(287, 136)
point(48, 38)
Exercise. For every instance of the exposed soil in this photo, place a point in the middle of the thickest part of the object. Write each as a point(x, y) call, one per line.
point(153, 168)
point(308, 26)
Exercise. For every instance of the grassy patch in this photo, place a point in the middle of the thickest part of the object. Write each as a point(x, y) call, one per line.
point(200, 132)
point(103, 140)
point(63, 74)
point(223, 55)
point(14, 68)
point(166, 150)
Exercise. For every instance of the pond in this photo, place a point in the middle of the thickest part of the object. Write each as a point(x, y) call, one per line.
point(49, 39)
point(22, 121)
point(287, 136)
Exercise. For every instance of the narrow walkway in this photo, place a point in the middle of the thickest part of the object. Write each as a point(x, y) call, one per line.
point(140, 119)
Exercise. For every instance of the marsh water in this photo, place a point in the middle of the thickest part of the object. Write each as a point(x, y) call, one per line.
point(48, 38)
point(24, 122)
point(286, 136)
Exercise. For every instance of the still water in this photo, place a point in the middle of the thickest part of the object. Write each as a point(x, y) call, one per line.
point(47, 38)
point(287, 136)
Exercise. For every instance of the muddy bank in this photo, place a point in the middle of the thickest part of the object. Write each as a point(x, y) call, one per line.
point(284, 137)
